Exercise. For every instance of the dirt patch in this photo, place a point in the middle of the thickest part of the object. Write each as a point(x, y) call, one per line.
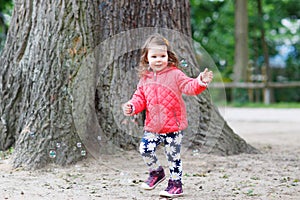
point(273, 174)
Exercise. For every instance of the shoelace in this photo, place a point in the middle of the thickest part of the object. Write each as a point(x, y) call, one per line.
point(152, 176)
point(170, 185)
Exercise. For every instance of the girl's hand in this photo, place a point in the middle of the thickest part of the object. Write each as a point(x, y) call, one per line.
point(206, 76)
point(127, 109)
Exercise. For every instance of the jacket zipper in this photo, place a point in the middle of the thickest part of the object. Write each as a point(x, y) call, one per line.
point(155, 79)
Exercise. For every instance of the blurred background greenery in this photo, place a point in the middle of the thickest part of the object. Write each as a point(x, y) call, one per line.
point(6, 7)
point(213, 26)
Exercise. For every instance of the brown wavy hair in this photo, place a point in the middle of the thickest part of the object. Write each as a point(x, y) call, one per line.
point(158, 40)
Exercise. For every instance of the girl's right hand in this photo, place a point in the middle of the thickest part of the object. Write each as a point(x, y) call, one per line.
point(127, 109)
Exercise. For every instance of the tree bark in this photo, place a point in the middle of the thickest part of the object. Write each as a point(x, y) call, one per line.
point(44, 48)
point(67, 67)
point(267, 92)
point(241, 41)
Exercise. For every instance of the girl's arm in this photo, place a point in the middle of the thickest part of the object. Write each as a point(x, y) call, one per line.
point(136, 104)
point(194, 86)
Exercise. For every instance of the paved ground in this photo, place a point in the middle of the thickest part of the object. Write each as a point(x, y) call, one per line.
point(265, 125)
point(262, 114)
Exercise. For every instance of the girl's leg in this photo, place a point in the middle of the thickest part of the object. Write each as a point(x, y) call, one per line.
point(172, 150)
point(147, 149)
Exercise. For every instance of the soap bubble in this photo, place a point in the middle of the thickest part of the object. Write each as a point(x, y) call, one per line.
point(79, 144)
point(32, 134)
point(58, 145)
point(183, 63)
point(193, 60)
point(126, 179)
point(83, 152)
point(52, 153)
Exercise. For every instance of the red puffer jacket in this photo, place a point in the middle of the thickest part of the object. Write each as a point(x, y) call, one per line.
point(161, 95)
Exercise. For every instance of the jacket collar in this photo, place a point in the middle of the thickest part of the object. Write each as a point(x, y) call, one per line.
point(150, 72)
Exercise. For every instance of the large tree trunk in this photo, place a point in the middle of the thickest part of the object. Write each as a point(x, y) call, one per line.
point(46, 44)
point(68, 65)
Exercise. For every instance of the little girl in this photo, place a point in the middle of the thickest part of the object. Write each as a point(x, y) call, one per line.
point(159, 92)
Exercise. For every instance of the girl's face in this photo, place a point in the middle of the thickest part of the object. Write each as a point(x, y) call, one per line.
point(158, 57)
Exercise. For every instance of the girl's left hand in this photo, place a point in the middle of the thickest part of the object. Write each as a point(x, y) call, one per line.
point(207, 76)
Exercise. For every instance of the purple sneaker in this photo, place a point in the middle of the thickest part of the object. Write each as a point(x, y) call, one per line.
point(156, 177)
point(174, 189)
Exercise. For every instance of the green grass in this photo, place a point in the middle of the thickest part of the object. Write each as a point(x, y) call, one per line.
point(262, 105)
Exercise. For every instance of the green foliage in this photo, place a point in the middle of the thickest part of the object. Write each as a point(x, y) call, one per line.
point(5, 154)
point(262, 105)
point(287, 95)
point(274, 12)
point(213, 26)
point(6, 7)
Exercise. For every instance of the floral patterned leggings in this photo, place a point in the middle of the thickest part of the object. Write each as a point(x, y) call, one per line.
point(172, 142)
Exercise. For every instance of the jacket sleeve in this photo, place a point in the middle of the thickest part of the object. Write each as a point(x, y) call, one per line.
point(190, 86)
point(138, 100)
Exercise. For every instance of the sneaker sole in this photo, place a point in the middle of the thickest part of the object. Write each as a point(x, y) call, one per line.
point(166, 194)
point(146, 187)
